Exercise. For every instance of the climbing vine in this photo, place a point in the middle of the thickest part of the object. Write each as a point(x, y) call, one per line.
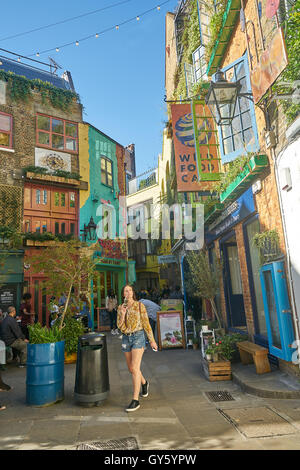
point(20, 89)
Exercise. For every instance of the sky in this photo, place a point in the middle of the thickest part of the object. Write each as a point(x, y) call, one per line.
point(119, 75)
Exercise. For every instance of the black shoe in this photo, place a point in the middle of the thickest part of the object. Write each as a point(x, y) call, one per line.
point(145, 389)
point(134, 405)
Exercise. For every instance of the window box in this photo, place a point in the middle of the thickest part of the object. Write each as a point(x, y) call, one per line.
point(230, 17)
point(246, 178)
point(54, 179)
point(214, 212)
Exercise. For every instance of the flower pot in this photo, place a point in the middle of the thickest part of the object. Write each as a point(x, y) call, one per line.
point(70, 358)
point(195, 346)
point(215, 357)
point(204, 327)
point(208, 357)
point(45, 373)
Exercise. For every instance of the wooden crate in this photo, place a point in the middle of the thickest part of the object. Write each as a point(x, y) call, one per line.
point(214, 371)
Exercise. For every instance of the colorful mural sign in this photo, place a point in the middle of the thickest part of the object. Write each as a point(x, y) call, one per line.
point(112, 249)
point(194, 153)
point(272, 62)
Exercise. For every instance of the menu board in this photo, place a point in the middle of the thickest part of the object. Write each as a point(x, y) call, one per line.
point(170, 329)
point(8, 296)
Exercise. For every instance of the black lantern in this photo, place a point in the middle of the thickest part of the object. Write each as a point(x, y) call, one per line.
point(84, 232)
point(91, 229)
point(221, 98)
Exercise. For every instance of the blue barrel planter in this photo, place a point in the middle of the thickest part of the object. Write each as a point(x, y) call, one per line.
point(45, 373)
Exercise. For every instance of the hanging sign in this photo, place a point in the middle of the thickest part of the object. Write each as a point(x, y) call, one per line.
point(187, 148)
point(272, 62)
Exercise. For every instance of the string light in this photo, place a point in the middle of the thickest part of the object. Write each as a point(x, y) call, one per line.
point(96, 35)
point(19, 59)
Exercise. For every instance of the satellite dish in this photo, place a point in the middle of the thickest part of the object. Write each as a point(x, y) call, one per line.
point(242, 20)
point(271, 8)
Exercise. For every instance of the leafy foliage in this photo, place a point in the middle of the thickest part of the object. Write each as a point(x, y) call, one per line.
point(204, 279)
point(42, 335)
point(71, 330)
point(233, 170)
point(45, 171)
point(268, 244)
point(20, 88)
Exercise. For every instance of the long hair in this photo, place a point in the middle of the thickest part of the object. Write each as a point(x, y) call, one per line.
point(122, 292)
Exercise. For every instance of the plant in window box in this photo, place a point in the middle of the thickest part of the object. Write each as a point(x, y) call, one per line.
point(268, 244)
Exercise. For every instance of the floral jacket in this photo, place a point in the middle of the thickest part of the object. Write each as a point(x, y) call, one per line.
point(136, 319)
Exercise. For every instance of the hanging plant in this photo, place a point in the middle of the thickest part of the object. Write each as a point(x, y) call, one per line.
point(20, 89)
point(233, 170)
point(268, 244)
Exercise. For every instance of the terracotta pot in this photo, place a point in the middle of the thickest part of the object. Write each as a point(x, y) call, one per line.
point(195, 346)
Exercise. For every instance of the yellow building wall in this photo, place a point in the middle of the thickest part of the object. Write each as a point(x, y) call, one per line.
point(84, 165)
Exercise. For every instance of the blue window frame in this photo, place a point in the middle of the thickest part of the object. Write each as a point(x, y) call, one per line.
point(241, 135)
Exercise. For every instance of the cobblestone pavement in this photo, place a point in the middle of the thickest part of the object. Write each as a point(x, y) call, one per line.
point(178, 414)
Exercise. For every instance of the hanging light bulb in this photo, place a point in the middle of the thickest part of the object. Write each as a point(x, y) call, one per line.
point(117, 27)
point(137, 18)
point(158, 7)
point(76, 43)
point(1, 63)
point(19, 59)
point(57, 49)
point(38, 54)
point(96, 35)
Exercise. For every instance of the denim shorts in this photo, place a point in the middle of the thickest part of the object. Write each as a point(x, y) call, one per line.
point(134, 341)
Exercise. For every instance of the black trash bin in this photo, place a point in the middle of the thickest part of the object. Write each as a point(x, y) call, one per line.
point(92, 381)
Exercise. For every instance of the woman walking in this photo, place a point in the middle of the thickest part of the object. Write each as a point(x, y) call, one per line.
point(111, 304)
point(132, 322)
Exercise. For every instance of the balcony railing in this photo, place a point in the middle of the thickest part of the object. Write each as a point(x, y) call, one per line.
point(143, 181)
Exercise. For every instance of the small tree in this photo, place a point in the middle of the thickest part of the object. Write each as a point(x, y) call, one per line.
point(66, 267)
point(204, 279)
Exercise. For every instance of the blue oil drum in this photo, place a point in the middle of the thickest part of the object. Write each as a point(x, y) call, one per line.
point(45, 373)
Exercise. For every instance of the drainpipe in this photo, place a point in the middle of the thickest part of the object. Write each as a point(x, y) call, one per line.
point(290, 282)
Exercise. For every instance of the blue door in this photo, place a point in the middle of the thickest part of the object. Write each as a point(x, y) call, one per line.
point(277, 310)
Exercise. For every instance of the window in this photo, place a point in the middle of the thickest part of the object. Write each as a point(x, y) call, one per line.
point(56, 199)
point(5, 130)
point(38, 196)
point(56, 228)
point(45, 196)
point(106, 171)
point(62, 199)
point(200, 64)
point(72, 199)
point(63, 228)
point(56, 133)
point(241, 135)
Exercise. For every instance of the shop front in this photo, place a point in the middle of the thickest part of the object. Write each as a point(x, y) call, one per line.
point(11, 279)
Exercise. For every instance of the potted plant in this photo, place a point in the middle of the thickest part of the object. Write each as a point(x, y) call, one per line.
point(71, 330)
point(204, 280)
point(195, 342)
point(214, 350)
point(45, 365)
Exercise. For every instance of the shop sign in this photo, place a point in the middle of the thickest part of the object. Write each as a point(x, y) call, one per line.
point(272, 62)
point(233, 214)
point(166, 259)
point(187, 147)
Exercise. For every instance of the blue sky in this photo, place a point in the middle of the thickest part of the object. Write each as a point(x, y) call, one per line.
point(119, 76)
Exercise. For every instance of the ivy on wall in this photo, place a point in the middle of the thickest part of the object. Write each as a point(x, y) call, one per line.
point(21, 88)
point(292, 72)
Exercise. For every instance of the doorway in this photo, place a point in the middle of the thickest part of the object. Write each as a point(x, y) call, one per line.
point(233, 283)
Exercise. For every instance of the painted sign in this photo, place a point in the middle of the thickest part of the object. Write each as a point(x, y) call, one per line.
point(170, 330)
point(232, 215)
point(8, 297)
point(185, 146)
point(52, 160)
point(272, 62)
point(112, 249)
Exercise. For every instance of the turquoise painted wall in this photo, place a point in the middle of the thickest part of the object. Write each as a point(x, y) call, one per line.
point(100, 145)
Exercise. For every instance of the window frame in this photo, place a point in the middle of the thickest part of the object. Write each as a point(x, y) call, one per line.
point(229, 157)
point(50, 133)
point(10, 134)
point(107, 160)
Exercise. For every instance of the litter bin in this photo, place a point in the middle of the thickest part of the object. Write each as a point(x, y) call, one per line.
point(92, 381)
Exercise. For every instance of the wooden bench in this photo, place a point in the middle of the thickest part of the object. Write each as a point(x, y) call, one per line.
point(250, 352)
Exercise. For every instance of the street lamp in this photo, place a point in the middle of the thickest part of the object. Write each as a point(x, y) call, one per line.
point(221, 98)
point(91, 229)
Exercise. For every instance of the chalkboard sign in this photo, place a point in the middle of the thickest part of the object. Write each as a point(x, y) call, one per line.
point(8, 296)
